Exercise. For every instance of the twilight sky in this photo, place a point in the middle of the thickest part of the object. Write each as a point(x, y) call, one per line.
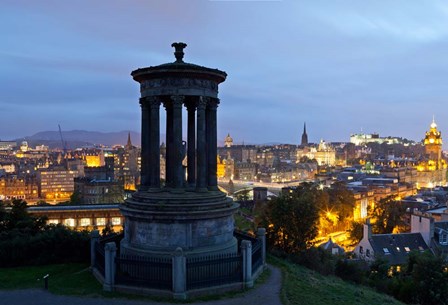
point(338, 65)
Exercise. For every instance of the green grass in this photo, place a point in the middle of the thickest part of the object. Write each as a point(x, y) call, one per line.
point(74, 279)
point(304, 286)
point(300, 285)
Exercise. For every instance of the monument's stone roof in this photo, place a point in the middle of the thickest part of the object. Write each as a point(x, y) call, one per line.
point(179, 68)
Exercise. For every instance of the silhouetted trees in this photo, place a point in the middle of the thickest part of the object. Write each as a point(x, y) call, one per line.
point(28, 240)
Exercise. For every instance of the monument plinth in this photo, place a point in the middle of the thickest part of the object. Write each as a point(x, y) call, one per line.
point(190, 213)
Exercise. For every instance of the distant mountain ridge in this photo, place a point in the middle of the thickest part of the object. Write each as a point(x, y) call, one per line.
point(79, 138)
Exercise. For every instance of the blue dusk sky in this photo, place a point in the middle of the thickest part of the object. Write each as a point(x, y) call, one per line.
point(341, 66)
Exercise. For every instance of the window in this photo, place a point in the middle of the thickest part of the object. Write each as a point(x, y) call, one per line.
point(84, 222)
point(398, 249)
point(386, 251)
point(52, 221)
point(368, 252)
point(116, 221)
point(101, 221)
point(69, 222)
point(443, 239)
point(407, 249)
point(361, 250)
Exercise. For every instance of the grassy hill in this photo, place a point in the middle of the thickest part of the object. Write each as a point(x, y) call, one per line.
point(300, 285)
point(304, 286)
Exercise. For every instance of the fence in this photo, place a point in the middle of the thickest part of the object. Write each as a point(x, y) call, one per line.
point(149, 272)
point(214, 270)
point(178, 273)
point(99, 258)
point(257, 256)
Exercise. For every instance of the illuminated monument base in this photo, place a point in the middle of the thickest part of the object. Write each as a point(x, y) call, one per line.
point(157, 223)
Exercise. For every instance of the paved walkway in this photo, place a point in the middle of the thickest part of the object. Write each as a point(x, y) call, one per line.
point(266, 294)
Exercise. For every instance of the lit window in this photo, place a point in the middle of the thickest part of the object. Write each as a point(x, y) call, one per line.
point(69, 222)
point(398, 249)
point(116, 221)
point(407, 249)
point(101, 221)
point(53, 221)
point(386, 251)
point(84, 222)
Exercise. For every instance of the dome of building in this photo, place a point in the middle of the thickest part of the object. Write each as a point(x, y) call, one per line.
point(228, 140)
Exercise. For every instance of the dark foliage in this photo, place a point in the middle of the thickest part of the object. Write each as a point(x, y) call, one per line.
point(26, 240)
point(351, 271)
point(291, 220)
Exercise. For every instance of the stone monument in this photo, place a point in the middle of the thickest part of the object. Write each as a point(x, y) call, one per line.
point(188, 211)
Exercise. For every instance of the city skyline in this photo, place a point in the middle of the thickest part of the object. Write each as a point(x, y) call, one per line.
point(339, 67)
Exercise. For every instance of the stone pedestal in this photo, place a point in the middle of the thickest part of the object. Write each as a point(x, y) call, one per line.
point(158, 223)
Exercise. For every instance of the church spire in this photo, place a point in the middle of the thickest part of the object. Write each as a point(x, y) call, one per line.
point(129, 143)
point(304, 136)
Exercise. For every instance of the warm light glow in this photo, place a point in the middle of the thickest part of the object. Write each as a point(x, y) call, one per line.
point(93, 161)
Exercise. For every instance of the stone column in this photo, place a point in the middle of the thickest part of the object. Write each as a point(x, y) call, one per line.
point(110, 250)
point(169, 144)
point(144, 183)
point(261, 236)
point(179, 263)
point(154, 143)
point(212, 151)
point(94, 238)
point(177, 148)
point(191, 142)
point(246, 252)
point(201, 161)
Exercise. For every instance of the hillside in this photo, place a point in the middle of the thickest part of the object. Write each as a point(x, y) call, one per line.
point(80, 138)
point(304, 286)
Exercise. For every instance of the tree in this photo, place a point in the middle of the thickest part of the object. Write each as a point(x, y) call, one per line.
point(388, 214)
point(429, 277)
point(75, 198)
point(356, 232)
point(242, 195)
point(19, 219)
point(291, 220)
point(342, 201)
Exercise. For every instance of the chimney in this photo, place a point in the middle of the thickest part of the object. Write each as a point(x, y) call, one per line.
point(367, 230)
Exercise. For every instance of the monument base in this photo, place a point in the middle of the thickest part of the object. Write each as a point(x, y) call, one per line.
point(157, 223)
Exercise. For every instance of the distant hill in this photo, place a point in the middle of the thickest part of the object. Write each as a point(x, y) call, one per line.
point(80, 138)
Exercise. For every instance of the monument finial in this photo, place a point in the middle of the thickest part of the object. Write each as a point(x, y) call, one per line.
point(179, 50)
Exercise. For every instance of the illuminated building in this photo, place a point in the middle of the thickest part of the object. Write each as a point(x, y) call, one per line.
point(13, 187)
point(245, 171)
point(94, 160)
point(433, 144)
point(324, 153)
point(362, 139)
point(8, 167)
point(81, 217)
point(56, 184)
point(92, 191)
point(24, 146)
point(221, 168)
point(228, 142)
point(7, 145)
point(432, 171)
point(130, 164)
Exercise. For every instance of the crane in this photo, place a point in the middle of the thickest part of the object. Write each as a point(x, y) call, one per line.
point(64, 144)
